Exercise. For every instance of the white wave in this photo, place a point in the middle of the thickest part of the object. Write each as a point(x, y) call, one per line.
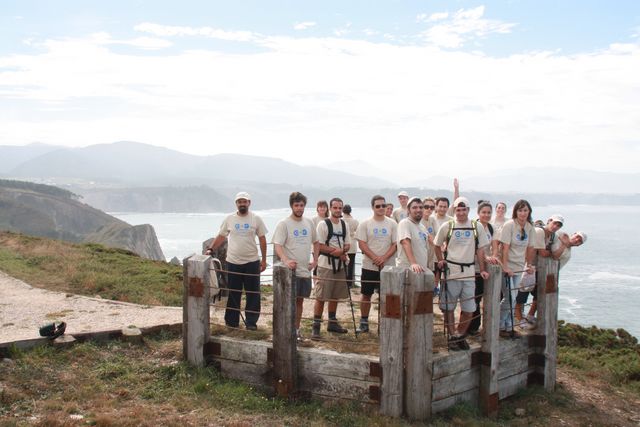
point(605, 275)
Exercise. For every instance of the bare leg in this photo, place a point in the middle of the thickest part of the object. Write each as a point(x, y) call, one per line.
point(299, 306)
point(465, 319)
point(365, 305)
point(450, 322)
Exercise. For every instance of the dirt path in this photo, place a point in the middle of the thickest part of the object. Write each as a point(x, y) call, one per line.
point(23, 309)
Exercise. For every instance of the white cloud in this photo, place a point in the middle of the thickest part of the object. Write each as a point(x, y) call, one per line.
point(304, 25)
point(215, 33)
point(463, 26)
point(438, 16)
point(425, 103)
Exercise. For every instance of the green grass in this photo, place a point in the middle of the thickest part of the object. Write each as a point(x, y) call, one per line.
point(612, 355)
point(90, 269)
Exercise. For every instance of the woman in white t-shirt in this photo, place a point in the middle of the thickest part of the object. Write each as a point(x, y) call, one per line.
point(499, 219)
point(518, 239)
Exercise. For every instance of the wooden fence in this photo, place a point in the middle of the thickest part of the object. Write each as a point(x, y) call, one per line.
point(408, 378)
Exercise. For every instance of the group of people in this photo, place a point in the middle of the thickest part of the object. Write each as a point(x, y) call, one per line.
point(421, 234)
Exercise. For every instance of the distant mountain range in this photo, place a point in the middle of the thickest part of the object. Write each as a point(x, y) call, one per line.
point(132, 163)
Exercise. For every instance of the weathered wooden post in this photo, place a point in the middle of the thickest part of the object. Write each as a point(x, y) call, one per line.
point(391, 340)
point(419, 345)
point(285, 359)
point(490, 350)
point(195, 327)
point(547, 328)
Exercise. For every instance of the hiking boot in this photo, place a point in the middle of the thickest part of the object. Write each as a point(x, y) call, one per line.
point(509, 334)
point(299, 336)
point(315, 331)
point(334, 326)
point(452, 343)
point(463, 344)
point(252, 328)
point(364, 328)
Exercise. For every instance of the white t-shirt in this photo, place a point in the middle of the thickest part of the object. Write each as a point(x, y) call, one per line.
point(461, 247)
point(353, 226)
point(440, 221)
point(399, 214)
point(512, 234)
point(241, 231)
point(323, 233)
point(430, 224)
point(379, 236)
point(566, 254)
point(296, 239)
point(417, 234)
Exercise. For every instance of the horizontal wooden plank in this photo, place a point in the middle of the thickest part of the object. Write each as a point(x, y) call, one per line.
point(246, 372)
point(329, 362)
point(510, 385)
point(513, 366)
point(247, 351)
point(511, 348)
point(451, 385)
point(446, 364)
point(338, 387)
point(443, 404)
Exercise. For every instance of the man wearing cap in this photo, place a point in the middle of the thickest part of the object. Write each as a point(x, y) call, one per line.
point(400, 212)
point(241, 229)
point(413, 246)
point(377, 241)
point(545, 239)
point(564, 244)
point(457, 244)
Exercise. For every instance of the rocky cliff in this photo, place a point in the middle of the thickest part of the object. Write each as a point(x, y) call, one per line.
point(46, 211)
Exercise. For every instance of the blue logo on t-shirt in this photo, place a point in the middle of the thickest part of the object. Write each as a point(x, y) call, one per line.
point(246, 226)
point(304, 232)
point(296, 233)
point(423, 236)
point(521, 236)
point(430, 230)
point(375, 231)
point(237, 226)
point(467, 233)
point(384, 231)
point(458, 234)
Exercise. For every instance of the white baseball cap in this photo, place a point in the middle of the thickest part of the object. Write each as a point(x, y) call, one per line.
point(460, 200)
point(582, 235)
point(403, 193)
point(557, 218)
point(242, 195)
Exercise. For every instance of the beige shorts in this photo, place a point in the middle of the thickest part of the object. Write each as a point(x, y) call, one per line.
point(331, 286)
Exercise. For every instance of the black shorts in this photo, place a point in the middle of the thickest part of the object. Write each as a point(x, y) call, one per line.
point(367, 287)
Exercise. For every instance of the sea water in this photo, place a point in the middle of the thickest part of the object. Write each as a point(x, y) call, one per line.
point(597, 286)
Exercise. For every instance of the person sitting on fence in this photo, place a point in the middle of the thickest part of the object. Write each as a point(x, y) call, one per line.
point(334, 238)
point(413, 247)
point(241, 229)
point(458, 242)
point(294, 238)
point(377, 241)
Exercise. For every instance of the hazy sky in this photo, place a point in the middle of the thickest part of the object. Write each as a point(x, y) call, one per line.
point(411, 86)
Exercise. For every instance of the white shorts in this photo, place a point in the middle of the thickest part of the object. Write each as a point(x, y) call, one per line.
point(464, 290)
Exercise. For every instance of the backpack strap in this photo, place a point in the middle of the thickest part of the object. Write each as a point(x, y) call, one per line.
point(336, 262)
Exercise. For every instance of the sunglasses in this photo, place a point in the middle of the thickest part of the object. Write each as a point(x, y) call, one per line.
point(379, 206)
point(522, 235)
point(429, 206)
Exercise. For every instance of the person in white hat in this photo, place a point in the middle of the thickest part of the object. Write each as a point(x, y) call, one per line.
point(241, 229)
point(400, 212)
point(458, 243)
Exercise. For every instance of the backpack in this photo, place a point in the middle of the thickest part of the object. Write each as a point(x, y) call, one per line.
point(331, 234)
point(474, 227)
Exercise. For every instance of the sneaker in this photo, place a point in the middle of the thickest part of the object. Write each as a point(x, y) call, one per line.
point(315, 331)
point(522, 323)
point(453, 343)
point(531, 320)
point(463, 344)
point(252, 328)
point(334, 326)
point(364, 328)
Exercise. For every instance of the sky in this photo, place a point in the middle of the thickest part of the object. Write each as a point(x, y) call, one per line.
point(411, 88)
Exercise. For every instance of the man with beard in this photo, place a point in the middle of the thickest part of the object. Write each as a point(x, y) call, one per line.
point(335, 241)
point(413, 249)
point(293, 240)
point(241, 229)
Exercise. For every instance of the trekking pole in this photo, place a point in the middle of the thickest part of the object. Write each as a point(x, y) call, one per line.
point(443, 280)
point(353, 315)
point(508, 283)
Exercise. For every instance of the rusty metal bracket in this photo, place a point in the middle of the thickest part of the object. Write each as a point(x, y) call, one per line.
point(196, 287)
point(375, 370)
point(374, 393)
point(392, 307)
point(424, 303)
point(535, 378)
point(211, 349)
point(537, 341)
point(551, 287)
point(537, 360)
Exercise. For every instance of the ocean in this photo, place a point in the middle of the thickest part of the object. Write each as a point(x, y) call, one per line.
point(597, 286)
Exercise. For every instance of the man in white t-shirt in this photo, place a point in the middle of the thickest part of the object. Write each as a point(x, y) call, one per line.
point(377, 240)
point(413, 245)
point(335, 240)
point(241, 229)
point(293, 240)
point(400, 212)
point(457, 244)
